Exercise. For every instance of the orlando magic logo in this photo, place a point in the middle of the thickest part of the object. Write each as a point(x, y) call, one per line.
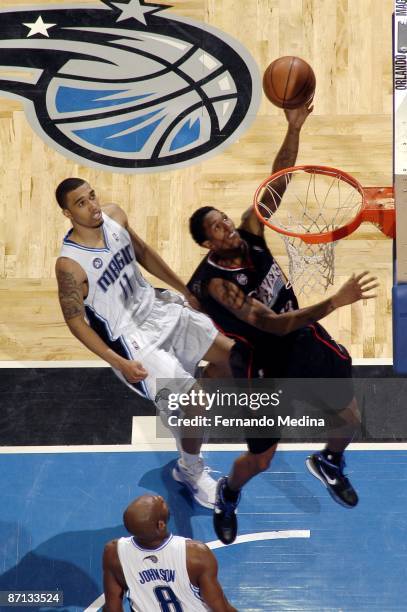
point(123, 87)
point(97, 263)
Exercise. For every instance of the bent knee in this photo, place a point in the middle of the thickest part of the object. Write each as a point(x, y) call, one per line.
point(351, 414)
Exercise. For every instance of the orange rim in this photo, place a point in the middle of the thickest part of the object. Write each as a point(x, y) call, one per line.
point(315, 238)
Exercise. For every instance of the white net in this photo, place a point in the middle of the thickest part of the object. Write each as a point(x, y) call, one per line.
point(313, 201)
point(311, 266)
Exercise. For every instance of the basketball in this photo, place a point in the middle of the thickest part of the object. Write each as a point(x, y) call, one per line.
point(289, 82)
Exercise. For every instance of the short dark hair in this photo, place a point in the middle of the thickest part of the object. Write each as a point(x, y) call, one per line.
point(65, 187)
point(196, 223)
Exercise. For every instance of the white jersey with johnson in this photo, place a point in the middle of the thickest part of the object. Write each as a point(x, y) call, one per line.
point(158, 579)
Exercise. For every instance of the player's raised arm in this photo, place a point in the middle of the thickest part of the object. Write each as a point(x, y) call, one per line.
point(255, 313)
point(150, 259)
point(287, 155)
point(114, 584)
point(71, 281)
point(285, 158)
point(203, 572)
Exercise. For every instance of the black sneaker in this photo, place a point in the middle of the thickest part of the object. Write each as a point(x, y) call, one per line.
point(224, 515)
point(332, 476)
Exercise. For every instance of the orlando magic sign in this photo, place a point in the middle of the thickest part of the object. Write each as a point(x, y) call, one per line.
point(125, 87)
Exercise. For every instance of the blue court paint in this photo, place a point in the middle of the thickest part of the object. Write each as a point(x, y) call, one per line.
point(111, 137)
point(71, 99)
point(58, 510)
point(186, 135)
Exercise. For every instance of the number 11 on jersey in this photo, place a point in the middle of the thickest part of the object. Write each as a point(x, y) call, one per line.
point(126, 285)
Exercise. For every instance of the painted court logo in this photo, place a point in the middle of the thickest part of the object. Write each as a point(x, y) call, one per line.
point(127, 87)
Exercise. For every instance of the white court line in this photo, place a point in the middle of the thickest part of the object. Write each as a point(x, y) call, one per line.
point(262, 535)
point(243, 539)
point(97, 363)
point(145, 448)
point(92, 363)
point(96, 605)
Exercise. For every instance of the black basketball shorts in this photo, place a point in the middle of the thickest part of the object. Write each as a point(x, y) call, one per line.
point(311, 353)
point(244, 365)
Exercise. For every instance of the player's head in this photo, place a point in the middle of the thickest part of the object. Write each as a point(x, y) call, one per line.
point(146, 518)
point(214, 230)
point(79, 202)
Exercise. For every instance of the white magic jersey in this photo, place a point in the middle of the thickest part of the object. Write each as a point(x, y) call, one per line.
point(134, 319)
point(118, 294)
point(157, 578)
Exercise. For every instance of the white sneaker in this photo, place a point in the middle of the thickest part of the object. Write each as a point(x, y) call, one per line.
point(197, 479)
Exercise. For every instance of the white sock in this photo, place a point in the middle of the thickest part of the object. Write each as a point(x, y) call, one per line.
point(188, 459)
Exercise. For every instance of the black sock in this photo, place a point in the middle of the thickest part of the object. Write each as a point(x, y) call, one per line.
point(332, 457)
point(229, 494)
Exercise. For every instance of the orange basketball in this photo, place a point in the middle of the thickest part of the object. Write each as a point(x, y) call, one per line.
point(289, 82)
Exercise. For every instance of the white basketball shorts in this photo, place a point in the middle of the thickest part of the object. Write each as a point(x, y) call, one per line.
point(169, 344)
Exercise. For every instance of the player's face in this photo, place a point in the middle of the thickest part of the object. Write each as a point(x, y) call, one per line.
point(220, 232)
point(83, 208)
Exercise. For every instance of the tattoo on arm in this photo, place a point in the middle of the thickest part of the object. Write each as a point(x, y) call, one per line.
point(243, 306)
point(70, 295)
point(234, 298)
point(232, 295)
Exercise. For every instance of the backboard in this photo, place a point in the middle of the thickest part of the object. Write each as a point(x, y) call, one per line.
point(400, 185)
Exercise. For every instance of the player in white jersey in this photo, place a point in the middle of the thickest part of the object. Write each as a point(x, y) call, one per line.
point(157, 570)
point(145, 335)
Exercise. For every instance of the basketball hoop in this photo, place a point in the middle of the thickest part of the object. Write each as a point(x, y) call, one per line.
point(321, 206)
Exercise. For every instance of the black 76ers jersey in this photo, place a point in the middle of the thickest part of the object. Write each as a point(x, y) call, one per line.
point(260, 277)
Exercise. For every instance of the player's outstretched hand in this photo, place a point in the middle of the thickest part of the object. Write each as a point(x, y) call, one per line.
point(297, 116)
point(356, 288)
point(133, 371)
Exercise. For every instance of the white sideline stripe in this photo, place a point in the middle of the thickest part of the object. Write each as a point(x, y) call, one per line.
point(145, 448)
point(96, 605)
point(92, 363)
point(144, 435)
point(248, 537)
point(97, 363)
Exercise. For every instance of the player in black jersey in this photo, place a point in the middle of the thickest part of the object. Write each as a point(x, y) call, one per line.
point(242, 287)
